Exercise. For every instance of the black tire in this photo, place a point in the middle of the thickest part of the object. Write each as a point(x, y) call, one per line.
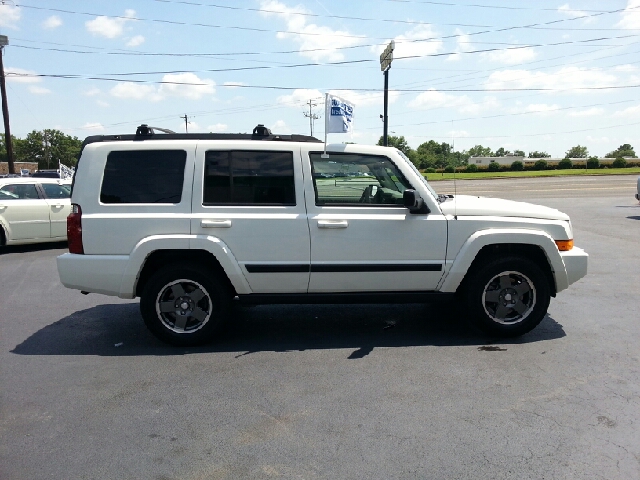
point(185, 305)
point(507, 297)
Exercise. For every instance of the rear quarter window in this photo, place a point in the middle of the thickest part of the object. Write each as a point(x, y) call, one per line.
point(143, 176)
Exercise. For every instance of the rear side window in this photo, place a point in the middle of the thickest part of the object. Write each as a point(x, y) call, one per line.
point(143, 176)
point(240, 177)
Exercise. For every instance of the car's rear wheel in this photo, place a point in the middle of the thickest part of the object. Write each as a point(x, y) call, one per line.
point(507, 297)
point(185, 305)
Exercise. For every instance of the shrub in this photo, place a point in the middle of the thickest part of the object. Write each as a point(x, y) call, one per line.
point(517, 166)
point(593, 162)
point(494, 167)
point(540, 165)
point(472, 168)
point(449, 169)
point(619, 163)
point(565, 164)
point(430, 170)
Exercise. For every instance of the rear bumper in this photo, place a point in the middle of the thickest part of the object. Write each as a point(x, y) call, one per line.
point(575, 263)
point(94, 273)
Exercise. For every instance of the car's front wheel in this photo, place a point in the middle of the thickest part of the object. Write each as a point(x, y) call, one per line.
point(507, 296)
point(185, 305)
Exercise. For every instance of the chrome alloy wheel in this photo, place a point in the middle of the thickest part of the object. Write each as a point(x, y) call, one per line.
point(184, 306)
point(509, 298)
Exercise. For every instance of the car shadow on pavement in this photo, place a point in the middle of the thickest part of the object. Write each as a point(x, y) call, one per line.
point(118, 330)
point(32, 247)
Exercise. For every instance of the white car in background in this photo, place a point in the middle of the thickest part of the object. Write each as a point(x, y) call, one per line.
point(33, 210)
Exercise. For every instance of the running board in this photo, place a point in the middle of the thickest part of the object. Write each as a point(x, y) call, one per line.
point(344, 298)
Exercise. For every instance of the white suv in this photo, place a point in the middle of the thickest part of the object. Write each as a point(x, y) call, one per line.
point(188, 222)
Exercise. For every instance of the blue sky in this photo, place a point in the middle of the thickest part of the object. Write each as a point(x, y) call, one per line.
point(538, 75)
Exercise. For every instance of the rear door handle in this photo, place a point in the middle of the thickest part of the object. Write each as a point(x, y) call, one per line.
point(215, 223)
point(333, 224)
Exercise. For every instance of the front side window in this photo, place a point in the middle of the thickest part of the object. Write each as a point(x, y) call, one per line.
point(25, 191)
point(53, 190)
point(357, 180)
point(143, 176)
point(240, 177)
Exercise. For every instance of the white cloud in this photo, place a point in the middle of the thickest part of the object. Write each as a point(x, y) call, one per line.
point(630, 16)
point(414, 43)
point(300, 97)
point(573, 13)
point(9, 16)
point(434, 99)
point(185, 85)
point(628, 112)
point(566, 78)
point(511, 56)
point(458, 133)
point(597, 139)
point(136, 92)
point(218, 127)
point(92, 92)
point(109, 27)
point(102, 103)
point(135, 41)
point(52, 22)
point(463, 44)
point(96, 127)
point(589, 112)
point(280, 127)
point(626, 68)
point(316, 42)
point(541, 108)
point(19, 75)
point(39, 90)
point(360, 99)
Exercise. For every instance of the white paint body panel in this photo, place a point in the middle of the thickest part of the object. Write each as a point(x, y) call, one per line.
point(118, 238)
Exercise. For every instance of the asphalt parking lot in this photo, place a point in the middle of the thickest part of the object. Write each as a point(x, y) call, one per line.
point(333, 391)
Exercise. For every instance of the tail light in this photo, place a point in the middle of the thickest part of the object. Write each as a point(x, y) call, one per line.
point(74, 230)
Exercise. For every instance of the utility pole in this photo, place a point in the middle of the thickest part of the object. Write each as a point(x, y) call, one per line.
point(5, 107)
point(186, 122)
point(386, 58)
point(46, 147)
point(310, 115)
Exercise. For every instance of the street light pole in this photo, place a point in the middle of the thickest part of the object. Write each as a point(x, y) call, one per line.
point(385, 64)
point(5, 107)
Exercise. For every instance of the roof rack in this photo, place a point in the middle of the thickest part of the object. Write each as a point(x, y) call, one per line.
point(146, 133)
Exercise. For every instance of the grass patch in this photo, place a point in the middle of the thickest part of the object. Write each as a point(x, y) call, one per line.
point(434, 177)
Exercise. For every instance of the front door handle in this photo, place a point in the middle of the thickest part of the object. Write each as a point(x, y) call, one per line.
point(215, 223)
point(333, 224)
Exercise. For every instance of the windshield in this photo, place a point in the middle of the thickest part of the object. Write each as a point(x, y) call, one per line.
point(424, 180)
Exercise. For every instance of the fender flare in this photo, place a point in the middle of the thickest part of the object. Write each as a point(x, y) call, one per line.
point(480, 239)
point(213, 245)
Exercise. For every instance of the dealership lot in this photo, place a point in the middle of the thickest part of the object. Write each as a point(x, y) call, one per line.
point(387, 391)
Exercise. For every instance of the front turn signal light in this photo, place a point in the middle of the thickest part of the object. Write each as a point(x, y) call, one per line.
point(564, 245)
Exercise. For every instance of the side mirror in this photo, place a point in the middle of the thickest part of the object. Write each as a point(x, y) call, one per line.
point(414, 202)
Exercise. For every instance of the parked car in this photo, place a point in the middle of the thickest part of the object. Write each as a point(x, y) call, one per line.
point(33, 210)
point(46, 174)
point(188, 222)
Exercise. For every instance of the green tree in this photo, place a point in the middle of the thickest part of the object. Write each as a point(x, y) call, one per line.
point(577, 152)
point(518, 153)
point(501, 152)
point(398, 142)
point(537, 154)
point(48, 148)
point(517, 166)
point(480, 151)
point(625, 150)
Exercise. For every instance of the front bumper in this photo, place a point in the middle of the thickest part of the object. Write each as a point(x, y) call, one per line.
point(575, 263)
